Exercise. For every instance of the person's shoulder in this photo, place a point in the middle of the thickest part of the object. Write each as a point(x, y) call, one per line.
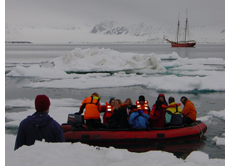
point(189, 103)
point(24, 121)
point(86, 98)
point(54, 121)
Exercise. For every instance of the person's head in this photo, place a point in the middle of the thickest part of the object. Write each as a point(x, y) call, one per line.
point(183, 100)
point(128, 101)
point(42, 103)
point(117, 103)
point(161, 97)
point(171, 100)
point(112, 102)
point(141, 100)
point(95, 94)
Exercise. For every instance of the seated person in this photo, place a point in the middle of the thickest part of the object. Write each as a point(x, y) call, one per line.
point(142, 104)
point(173, 115)
point(92, 111)
point(130, 105)
point(189, 112)
point(108, 109)
point(111, 102)
point(157, 114)
point(118, 119)
point(138, 120)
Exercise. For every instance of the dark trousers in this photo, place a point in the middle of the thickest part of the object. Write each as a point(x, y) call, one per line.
point(94, 123)
point(187, 120)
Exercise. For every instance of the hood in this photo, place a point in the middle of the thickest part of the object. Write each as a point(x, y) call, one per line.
point(39, 119)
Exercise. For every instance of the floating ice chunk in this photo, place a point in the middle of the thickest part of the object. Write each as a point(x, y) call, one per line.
point(198, 158)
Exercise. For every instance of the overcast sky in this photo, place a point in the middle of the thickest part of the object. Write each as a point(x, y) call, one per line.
point(69, 13)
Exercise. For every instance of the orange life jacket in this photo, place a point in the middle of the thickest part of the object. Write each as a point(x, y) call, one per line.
point(92, 107)
point(143, 107)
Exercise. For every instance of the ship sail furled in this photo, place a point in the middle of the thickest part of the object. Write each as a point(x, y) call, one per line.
point(185, 43)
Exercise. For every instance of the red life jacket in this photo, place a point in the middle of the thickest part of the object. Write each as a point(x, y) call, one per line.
point(108, 113)
point(143, 107)
point(153, 108)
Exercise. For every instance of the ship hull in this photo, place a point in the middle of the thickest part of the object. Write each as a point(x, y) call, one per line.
point(183, 44)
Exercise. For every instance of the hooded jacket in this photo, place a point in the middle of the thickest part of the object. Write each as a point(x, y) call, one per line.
point(157, 114)
point(37, 127)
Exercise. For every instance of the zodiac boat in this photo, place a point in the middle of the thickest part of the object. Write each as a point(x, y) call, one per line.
point(74, 132)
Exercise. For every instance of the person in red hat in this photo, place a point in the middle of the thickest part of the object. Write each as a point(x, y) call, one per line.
point(157, 114)
point(39, 126)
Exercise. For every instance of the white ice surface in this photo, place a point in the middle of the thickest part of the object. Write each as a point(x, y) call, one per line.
point(130, 69)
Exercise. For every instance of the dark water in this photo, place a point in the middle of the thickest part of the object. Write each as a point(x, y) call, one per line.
point(28, 54)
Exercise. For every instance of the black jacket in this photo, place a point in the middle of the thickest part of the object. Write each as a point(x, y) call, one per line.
point(119, 119)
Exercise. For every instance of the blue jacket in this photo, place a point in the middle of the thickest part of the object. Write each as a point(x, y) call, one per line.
point(37, 127)
point(138, 121)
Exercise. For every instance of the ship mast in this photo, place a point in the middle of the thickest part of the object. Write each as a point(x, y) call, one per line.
point(186, 26)
point(178, 26)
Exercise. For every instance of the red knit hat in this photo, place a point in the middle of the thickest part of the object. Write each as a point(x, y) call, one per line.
point(161, 95)
point(42, 103)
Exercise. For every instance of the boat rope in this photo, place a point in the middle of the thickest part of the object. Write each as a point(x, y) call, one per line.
point(200, 130)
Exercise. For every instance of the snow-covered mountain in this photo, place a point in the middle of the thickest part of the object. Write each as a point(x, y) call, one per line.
point(112, 32)
point(110, 28)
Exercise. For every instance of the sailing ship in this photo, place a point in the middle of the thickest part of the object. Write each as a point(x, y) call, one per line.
point(185, 43)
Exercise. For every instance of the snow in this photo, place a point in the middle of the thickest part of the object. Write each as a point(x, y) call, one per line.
point(128, 69)
point(41, 153)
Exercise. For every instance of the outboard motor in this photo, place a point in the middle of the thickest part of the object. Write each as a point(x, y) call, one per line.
point(75, 119)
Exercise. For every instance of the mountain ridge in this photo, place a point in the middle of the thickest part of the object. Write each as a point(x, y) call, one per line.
point(112, 32)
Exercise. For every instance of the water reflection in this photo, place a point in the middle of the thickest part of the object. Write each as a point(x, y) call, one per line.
point(184, 52)
point(179, 149)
